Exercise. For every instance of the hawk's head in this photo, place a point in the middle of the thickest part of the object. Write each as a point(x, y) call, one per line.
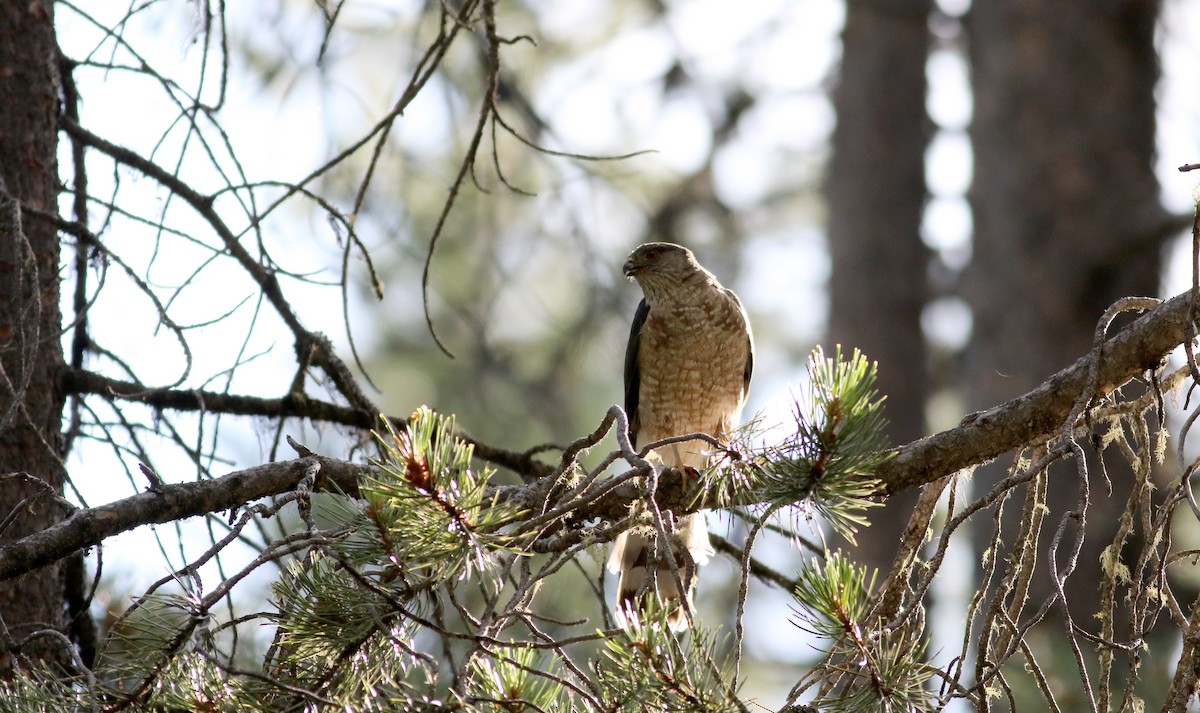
point(651, 260)
point(667, 271)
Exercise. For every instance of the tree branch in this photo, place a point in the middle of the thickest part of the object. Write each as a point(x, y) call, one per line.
point(312, 346)
point(1039, 414)
point(1029, 419)
point(90, 527)
point(81, 381)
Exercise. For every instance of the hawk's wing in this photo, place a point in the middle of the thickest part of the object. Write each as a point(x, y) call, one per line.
point(749, 369)
point(632, 375)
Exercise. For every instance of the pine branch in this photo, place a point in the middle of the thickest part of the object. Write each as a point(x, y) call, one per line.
point(1037, 415)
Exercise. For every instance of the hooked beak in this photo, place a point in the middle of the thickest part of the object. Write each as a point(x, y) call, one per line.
point(629, 268)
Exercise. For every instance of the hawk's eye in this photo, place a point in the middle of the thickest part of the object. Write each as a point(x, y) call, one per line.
point(651, 255)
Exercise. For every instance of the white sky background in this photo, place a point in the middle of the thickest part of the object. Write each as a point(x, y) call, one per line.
point(606, 98)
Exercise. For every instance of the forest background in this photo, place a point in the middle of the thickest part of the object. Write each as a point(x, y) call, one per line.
point(959, 191)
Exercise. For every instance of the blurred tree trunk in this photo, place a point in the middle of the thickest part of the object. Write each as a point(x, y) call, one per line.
point(31, 406)
point(876, 195)
point(1067, 216)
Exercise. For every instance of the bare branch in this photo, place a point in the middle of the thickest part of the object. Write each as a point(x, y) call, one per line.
point(91, 526)
point(1038, 415)
point(266, 279)
point(80, 381)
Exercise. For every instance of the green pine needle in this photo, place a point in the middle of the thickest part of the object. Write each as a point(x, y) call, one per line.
point(833, 598)
point(874, 669)
point(427, 506)
point(646, 667)
point(827, 463)
point(512, 680)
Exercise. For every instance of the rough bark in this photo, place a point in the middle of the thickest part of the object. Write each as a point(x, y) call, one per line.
point(31, 468)
point(1067, 217)
point(876, 195)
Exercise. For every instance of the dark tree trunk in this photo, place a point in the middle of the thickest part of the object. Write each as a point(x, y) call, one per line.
point(1067, 216)
point(876, 193)
point(31, 406)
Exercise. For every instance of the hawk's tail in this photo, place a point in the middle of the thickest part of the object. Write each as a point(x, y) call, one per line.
point(644, 570)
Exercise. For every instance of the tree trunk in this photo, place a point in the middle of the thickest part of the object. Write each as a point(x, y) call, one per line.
point(1067, 216)
point(876, 194)
point(31, 467)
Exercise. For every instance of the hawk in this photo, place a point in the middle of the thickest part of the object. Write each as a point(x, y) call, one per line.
point(687, 370)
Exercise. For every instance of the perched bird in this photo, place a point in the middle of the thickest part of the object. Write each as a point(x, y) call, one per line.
point(687, 370)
